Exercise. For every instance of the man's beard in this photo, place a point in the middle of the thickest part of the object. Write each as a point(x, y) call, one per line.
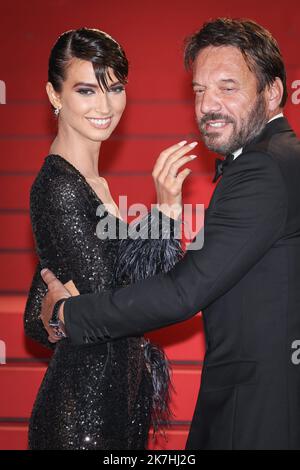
point(251, 126)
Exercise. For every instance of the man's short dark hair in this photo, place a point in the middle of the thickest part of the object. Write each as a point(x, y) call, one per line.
point(259, 48)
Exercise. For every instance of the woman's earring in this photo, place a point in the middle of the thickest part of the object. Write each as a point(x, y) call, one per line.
point(56, 111)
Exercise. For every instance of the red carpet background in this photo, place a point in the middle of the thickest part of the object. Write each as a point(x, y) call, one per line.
point(159, 113)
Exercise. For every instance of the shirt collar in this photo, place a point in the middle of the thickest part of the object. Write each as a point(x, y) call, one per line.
point(238, 152)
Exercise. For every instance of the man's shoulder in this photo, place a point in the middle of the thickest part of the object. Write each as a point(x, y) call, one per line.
point(276, 140)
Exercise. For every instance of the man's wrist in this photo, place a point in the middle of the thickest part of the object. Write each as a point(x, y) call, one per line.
point(57, 319)
point(61, 315)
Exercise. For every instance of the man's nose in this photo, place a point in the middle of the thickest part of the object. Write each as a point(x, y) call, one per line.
point(209, 103)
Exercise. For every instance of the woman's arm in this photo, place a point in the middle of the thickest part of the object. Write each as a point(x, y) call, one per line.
point(63, 241)
point(153, 246)
point(33, 326)
point(248, 217)
point(169, 177)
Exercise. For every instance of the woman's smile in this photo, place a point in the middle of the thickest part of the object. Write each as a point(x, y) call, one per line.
point(100, 123)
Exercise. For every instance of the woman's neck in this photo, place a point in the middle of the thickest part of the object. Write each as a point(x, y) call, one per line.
point(80, 153)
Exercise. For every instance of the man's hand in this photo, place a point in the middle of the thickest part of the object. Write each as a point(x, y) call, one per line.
point(56, 291)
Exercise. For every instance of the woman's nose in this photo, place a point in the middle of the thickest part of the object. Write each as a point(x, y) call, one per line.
point(103, 103)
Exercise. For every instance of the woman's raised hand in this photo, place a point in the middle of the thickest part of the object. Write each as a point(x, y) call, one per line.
point(168, 181)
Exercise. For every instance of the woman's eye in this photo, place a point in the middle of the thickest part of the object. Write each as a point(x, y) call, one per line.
point(117, 89)
point(85, 91)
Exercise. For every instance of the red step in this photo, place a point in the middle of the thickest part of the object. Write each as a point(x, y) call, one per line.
point(27, 378)
point(15, 189)
point(15, 233)
point(175, 439)
point(18, 267)
point(14, 437)
point(129, 156)
point(18, 346)
point(17, 270)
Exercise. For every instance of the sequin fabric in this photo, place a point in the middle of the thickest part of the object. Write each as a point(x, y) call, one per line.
point(94, 396)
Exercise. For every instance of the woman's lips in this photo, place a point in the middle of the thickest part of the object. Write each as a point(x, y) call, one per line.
point(100, 123)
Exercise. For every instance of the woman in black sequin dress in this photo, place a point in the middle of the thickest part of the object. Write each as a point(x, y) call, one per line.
point(99, 396)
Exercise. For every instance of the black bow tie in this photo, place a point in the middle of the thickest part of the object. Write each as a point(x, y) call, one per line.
point(220, 166)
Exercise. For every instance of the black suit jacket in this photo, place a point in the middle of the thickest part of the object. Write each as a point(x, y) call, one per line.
point(246, 280)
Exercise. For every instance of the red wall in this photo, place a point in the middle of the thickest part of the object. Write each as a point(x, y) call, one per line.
point(159, 113)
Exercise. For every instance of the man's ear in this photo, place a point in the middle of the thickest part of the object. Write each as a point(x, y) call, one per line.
point(53, 96)
point(274, 94)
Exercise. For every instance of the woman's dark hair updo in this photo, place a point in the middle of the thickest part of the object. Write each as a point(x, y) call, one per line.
point(92, 45)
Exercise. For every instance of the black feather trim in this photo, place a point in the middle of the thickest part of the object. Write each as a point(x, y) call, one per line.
point(140, 257)
point(162, 385)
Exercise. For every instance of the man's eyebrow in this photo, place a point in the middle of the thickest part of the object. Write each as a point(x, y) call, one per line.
point(228, 80)
point(196, 84)
point(223, 80)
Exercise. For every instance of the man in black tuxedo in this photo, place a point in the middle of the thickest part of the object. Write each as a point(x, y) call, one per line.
point(246, 278)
